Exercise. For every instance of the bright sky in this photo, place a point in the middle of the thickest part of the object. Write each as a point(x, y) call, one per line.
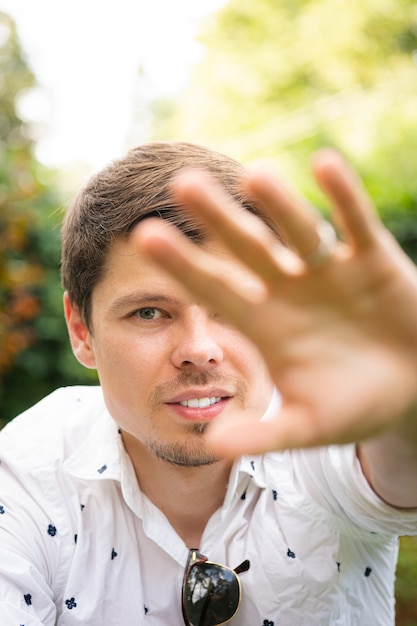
point(87, 56)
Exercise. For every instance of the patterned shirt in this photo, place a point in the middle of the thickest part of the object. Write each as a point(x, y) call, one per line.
point(81, 545)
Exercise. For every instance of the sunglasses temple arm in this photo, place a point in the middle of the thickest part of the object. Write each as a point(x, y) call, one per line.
point(243, 567)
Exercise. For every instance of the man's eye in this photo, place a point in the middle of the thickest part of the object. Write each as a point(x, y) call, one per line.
point(149, 313)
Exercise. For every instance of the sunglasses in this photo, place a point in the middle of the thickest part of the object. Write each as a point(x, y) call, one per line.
point(210, 592)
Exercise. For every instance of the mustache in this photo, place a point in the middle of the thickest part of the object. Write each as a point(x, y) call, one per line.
point(186, 379)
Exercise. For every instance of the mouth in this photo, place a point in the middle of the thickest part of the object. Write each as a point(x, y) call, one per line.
point(195, 406)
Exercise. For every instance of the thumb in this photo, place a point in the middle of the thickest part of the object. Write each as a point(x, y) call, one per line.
point(290, 428)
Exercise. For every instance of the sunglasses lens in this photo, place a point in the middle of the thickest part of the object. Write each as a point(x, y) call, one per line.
point(211, 595)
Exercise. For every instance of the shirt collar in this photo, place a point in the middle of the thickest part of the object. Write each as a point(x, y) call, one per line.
point(251, 467)
point(98, 457)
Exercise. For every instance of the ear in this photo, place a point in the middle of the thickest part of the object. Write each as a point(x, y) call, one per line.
point(80, 336)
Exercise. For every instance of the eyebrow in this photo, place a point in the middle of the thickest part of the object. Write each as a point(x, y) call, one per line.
point(133, 300)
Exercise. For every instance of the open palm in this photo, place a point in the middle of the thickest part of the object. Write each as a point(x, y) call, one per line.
point(338, 333)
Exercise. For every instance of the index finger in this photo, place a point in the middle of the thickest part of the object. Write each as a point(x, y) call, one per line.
point(254, 240)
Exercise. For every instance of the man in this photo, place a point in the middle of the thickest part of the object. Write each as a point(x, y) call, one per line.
point(110, 496)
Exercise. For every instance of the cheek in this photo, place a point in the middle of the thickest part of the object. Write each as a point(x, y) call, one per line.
point(125, 385)
point(250, 364)
point(129, 362)
point(248, 356)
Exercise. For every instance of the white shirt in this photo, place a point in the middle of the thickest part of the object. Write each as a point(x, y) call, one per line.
point(80, 543)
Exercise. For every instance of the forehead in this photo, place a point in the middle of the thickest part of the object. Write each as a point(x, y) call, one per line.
point(127, 271)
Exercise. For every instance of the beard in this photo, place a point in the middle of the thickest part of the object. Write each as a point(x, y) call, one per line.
point(193, 450)
point(192, 453)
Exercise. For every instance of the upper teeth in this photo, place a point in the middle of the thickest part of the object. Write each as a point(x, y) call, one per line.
point(200, 403)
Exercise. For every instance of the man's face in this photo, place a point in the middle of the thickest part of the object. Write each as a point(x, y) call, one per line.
point(167, 365)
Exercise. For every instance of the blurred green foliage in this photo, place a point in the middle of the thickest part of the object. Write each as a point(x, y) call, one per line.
point(284, 78)
point(406, 585)
point(35, 356)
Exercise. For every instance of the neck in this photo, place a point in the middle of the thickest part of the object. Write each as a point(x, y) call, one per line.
point(188, 496)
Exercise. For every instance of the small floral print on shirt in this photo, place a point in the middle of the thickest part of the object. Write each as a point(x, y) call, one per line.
point(52, 530)
point(113, 554)
point(71, 603)
point(267, 622)
point(2, 511)
point(368, 571)
point(290, 554)
point(102, 469)
point(28, 599)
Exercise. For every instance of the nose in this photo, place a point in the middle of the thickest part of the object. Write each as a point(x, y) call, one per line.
point(197, 342)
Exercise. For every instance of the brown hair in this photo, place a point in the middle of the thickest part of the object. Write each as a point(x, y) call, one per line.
point(125, 192)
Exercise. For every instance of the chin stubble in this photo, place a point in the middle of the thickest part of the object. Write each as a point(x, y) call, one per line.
point(187, 454)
